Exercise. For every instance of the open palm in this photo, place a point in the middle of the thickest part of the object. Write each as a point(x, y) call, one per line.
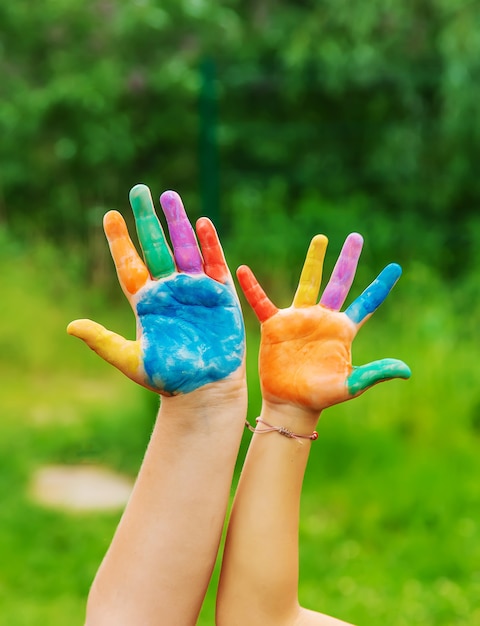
point(305, 351)
point(191, 332)
point(189, 324)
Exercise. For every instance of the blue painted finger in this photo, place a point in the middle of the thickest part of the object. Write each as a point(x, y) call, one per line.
point(366, 376)
point(373, 296)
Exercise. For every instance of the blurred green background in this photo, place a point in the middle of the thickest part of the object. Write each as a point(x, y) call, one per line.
point(279, 120)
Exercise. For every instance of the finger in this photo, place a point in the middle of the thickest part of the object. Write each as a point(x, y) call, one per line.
point(158, 256)
point(373, 296)
point(366, 376)
point(341, 280)
point(214, 262)
point(185, 247)
point(131, 270)
point(257, 298)
point(311, 276)
point(123, 354)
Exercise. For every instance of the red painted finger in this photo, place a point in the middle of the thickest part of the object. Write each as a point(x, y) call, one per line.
point(257, 298)
point(214, 263)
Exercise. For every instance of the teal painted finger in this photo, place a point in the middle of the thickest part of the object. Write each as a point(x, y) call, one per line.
point(374, 294)
point(370, 374)
point(156, 251)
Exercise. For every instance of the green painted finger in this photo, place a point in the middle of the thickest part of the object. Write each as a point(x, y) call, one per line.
point(366, 376)
point(158, 256)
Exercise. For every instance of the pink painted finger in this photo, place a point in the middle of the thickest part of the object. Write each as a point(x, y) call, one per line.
point(257, 298)
point(185, 247)
point(341, 280)
point(214, 262)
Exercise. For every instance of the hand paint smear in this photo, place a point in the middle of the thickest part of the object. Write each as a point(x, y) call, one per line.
point(193, 333)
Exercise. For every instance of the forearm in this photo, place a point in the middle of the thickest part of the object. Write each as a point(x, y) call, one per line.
point(259, 578)
point(158, 566)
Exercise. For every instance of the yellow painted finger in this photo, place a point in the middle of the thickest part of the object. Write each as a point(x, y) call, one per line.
point(311, 276)
point(131, 270)
point(123, 354)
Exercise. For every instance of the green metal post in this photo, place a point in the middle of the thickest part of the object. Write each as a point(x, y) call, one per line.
point(208, 148)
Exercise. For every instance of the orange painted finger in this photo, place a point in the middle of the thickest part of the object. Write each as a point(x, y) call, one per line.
point(311, 276)
point(131, 270)
point(214, 263)
point(257, 298)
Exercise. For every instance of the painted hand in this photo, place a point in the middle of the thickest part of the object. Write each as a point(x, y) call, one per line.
point(305, 350)
point(189, 324)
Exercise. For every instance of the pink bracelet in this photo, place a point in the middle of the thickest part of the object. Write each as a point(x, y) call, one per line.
point(279, 429)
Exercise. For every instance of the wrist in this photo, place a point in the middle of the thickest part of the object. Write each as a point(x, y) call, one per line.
point(296, 419)
point(211, 406)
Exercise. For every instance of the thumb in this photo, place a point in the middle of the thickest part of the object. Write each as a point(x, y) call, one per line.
point(366, 376)
point(123, 354)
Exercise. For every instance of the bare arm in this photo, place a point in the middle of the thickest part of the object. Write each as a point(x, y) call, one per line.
point(259, 581)
point(305, 366)
point(159, 563)
point(190, 349)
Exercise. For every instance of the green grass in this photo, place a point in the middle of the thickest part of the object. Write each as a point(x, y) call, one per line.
point(391, 504)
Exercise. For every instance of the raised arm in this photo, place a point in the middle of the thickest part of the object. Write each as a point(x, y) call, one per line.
point(305, 366)
point(190, 349)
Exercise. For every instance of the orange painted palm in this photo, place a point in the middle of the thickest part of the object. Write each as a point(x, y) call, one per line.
point(305, 351)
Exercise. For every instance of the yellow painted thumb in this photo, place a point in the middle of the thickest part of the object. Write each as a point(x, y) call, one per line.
point(122, 353)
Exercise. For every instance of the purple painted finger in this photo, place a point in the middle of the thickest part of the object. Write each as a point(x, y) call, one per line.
point(185, 248)
point(343, 273)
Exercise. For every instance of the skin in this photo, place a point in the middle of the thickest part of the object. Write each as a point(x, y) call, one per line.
point(189, 348)
point(305, 366)
point(186, 308)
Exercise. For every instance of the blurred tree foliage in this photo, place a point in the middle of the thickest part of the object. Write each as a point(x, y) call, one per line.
point(328, 115)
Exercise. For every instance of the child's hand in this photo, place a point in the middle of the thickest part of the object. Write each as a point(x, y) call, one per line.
point(189, 323)
point(305, 350)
